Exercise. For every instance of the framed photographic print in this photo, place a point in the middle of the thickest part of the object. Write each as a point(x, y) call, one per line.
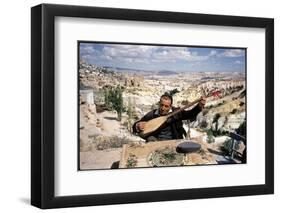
point(139, 106)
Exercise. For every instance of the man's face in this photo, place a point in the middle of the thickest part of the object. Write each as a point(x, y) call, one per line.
point(165, 106)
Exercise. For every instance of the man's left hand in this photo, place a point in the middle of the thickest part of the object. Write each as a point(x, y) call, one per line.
point(202, 102)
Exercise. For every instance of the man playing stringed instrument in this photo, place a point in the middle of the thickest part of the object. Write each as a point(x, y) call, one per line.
point(165, 123)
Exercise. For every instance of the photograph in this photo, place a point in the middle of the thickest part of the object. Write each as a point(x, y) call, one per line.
point(160, 105)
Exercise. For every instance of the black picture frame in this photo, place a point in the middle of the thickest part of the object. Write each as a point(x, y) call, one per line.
point(43, 105)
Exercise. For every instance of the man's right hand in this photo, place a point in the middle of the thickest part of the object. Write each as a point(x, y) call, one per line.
point(141, 125)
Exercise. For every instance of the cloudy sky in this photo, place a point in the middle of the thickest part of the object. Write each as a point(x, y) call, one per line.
point(148, 57)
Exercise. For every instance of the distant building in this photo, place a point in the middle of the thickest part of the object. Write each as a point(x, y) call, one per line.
point(86, 94)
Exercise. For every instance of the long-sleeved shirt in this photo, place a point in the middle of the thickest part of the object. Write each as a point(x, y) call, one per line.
point(173, 128)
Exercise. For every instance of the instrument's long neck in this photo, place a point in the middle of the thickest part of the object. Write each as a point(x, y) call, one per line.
point(183, 108)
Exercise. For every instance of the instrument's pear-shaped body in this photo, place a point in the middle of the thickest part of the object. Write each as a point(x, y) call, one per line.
point(152, 125)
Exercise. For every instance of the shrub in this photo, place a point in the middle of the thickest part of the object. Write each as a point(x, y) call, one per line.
point(103, 143)
point(234, 111)
point(210, 136)
point(216, 117)
point(241, 130)
point(114, 100)
point(131, 161)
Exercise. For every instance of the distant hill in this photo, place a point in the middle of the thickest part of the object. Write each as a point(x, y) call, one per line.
point(123, 69)
point(166, 72)
point(207, 78)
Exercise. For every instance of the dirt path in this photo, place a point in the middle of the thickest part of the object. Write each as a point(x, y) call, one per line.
point(92, 158)
point(110, 124)
point(96, 159)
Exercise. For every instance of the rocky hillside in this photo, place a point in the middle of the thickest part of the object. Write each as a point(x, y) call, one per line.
point(225, 110)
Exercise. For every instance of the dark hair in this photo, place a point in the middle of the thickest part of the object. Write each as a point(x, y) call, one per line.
point(167, 95)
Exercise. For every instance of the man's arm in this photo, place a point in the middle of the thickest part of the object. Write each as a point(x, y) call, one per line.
point(146, 117)
point(186, 115)
point(191, 114)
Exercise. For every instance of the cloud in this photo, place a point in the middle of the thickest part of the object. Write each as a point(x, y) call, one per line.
point(213, 53)
point(87, 49)
point(105, 57)
point(147, 54)
point(129, 51)
point(151, 57)
point(177, 53)
point(232, 53)
point(140, 53)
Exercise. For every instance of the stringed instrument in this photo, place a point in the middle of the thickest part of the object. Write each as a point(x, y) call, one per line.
point(155, 123)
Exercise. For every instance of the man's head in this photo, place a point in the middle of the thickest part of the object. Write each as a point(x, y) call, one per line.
point(165, 104)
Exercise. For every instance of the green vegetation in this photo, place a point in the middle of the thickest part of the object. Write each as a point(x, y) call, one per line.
point(228, 147)
point(114, 100)
point(131, 112)
point(103, 143)
point(210, 136)
point(131, 161)
point(106, 71)
point(216, 120)
point(211, 133)
point(241, 130)
point(216, 117)
point(209, 107)
point(169, 156)
point(234, 111)
point(203, 124)
point(242, 94)
point(241, 103)
point(166, 157)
